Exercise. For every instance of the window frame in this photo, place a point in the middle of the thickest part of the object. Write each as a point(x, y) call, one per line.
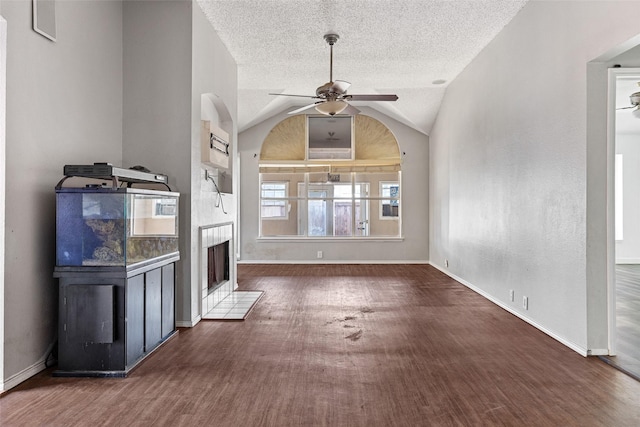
point(284, 199)
point(360, 196)
point(384, 198)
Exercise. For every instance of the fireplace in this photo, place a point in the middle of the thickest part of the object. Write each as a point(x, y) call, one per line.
point(217, 266)
point(217, 272)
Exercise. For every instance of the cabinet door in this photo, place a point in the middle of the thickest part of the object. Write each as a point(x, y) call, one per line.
point(89, 314)
point(153, 309)
point(135, 319)
point(168, 300)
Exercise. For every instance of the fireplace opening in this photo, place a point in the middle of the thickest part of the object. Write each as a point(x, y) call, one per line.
point(217, 265)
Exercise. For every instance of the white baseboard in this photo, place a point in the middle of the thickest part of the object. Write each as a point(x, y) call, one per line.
point(320, 262)
point(598, 352)
point(188, 323)
point(23, 375)
point(573, 346)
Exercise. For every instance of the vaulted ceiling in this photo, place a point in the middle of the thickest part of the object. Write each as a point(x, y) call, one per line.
point(385, 46)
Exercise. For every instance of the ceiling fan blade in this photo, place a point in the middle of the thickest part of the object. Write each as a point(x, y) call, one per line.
point(306, 107)
point(340, 86)
point(371, 97)
point(299, 96)
point(350, 110)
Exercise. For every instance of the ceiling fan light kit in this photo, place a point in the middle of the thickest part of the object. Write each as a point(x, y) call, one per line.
point(331, 108)
point(333, 94)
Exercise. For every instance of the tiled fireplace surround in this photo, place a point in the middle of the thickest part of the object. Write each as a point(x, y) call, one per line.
point(212, 235)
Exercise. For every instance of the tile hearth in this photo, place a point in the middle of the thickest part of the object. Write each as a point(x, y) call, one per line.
point(236, 306)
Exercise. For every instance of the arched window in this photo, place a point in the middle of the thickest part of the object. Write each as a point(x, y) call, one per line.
point(323, 176)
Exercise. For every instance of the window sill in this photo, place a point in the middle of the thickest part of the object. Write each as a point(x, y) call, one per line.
point(301, 239)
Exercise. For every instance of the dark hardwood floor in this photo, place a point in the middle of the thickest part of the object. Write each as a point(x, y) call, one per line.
point(346, 345)
point(627, 319)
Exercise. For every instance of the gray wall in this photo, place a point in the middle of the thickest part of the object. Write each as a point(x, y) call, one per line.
point(64, 106)
point(517, 188)
point(172, 56)
point(414, 246)
point(118, 86)
point(157, 108)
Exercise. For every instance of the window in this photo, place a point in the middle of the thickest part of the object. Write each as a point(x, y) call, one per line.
point(390, 191)
point(274, 200)
point(344, 177)
point(165, 208)
point(618, 199)
point(330, 205)
point(335, 209)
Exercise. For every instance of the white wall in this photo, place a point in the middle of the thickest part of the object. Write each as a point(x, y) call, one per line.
point(64, 106)
point(214, 75)
point(414, 246)
point(510, 200)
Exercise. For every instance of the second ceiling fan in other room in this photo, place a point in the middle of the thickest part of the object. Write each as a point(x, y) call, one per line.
point(333, 95)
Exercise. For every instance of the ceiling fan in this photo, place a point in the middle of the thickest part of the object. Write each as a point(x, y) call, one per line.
point(634, 98)
point(333, 95)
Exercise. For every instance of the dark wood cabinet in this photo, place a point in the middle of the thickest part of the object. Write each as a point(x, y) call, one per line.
point(111, 318)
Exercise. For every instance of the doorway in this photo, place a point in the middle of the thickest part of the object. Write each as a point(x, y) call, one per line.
point(624, 301)
point(330, 209)
point(3, 133)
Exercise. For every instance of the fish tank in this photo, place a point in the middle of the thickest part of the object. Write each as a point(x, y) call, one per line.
point(114, 227)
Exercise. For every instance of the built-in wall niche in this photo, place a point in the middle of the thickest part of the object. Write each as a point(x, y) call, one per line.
point(215, 142)
point(215, 145)
point(216, 154)
point(330, 138)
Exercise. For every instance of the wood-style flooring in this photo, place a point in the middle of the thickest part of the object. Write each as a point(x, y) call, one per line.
point(346, 345)
point(627, 320)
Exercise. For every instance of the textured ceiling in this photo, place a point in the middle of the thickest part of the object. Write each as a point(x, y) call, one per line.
point(395, 46)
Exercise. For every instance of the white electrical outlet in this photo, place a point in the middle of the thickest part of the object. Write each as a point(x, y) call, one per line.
point(319, 254)
point(512, 295)
point(525, 303)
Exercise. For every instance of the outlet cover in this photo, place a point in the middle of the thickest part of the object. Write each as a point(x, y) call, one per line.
point(525, 303)
point(512, 295)
point(319, 254)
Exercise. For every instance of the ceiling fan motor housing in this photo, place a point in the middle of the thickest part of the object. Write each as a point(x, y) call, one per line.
point(325, 91)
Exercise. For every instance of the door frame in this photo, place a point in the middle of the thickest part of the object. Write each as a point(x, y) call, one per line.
point(613, 74)
point(3, 136)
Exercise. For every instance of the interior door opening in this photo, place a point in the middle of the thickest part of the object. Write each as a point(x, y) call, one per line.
point(624, 286)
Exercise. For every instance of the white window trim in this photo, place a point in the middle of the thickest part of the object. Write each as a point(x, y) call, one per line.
point(364, 198)
point(383, 199)
point(287, 205)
